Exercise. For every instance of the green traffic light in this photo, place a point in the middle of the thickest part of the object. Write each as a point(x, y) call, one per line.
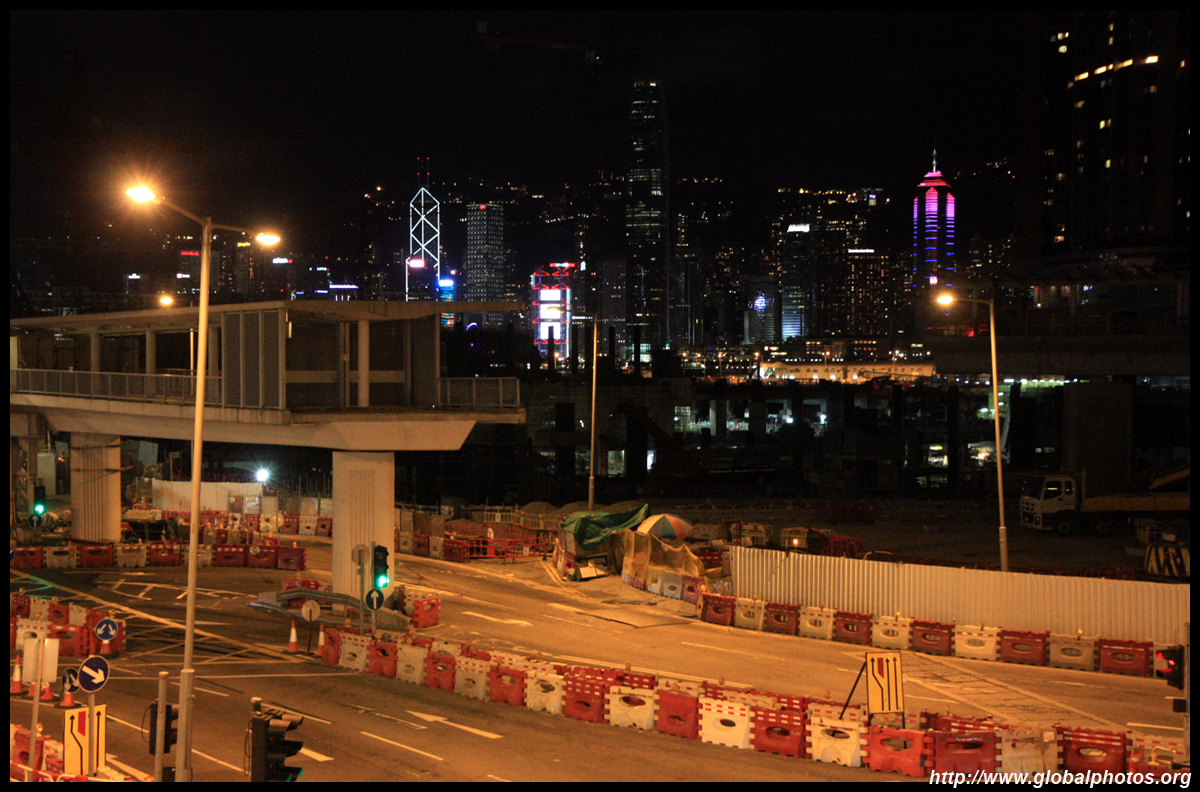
point(39, 508)
point(381, 582)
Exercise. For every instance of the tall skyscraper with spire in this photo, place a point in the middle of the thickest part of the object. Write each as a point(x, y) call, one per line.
point(934, 262)
point(647, 218)
point(423, 267)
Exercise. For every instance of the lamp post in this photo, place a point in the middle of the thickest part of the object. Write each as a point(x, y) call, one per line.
point(947, 299)
point(188, 673)
point(592, 456)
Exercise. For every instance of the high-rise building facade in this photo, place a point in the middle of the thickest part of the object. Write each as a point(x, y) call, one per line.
point(647, 218)
point(484, 268)
point(934, 259)
point(1117, 132)
point(423, 267)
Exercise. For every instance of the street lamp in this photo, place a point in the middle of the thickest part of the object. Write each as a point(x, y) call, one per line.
point(947, 299)
point(188, 673)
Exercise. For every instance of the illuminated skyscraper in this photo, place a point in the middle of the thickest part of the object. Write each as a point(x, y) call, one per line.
point(483, 274)
point(933, 235)
point(423, 268)
point(647, 218)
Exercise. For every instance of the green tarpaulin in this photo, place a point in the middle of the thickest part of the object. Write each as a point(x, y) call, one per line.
point(592, 528)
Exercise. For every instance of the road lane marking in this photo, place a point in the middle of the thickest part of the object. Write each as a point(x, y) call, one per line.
point(755, 655)
point(440, 719)
point(315, 755)
point(494, 619)
point(1155, 726)
point(218, 761)
point(401, 745)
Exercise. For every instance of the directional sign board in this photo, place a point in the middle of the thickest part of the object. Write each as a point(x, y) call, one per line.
point(70, 681)
point(35, 520)
point(93, 673)
point(106, 629)
point(374, 599)
point(885, 682)
point(76, 733)
point(359, 554)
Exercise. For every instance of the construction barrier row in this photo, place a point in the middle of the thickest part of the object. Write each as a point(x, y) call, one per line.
point(464, 541)
point(267, 554)
point(280, 522)
point(73, 625)
point(803, 728)
point(978, 642)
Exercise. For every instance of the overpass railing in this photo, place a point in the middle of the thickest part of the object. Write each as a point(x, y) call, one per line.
point(479, 392)
point(170, 388)
point(457, 392)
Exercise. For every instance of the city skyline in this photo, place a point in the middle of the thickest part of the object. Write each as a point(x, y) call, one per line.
point(272, 115)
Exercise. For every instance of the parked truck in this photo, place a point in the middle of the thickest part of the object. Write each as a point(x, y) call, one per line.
point(1060, 502)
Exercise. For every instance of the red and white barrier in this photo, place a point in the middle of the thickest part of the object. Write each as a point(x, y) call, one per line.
point(725, 722)
point(976, 642)
point(632, 706)
point(836, 741)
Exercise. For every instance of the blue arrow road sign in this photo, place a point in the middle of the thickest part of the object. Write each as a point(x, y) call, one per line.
point(106, 629)
point(93, 673)
point(374, 599)
point(70, 681)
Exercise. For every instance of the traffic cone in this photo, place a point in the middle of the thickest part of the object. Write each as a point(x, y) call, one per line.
point(16, 688)
point(293, 643)
point(321, 642)
point(47, 693)
point(68, 699)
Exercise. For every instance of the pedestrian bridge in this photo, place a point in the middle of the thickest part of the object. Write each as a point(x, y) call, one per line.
point(360, 378)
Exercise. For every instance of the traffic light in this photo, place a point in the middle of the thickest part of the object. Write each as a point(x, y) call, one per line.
point(269, 750)
point(381, 574)
point(39, 498)
point(172, 730)
point(1172, 657)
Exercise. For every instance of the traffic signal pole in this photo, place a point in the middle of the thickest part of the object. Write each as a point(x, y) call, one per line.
point(160, 736)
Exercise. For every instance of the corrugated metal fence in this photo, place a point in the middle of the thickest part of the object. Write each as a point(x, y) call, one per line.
point(1121, 609)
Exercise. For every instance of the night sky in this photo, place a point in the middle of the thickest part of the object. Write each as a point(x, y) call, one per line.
point(286, 117)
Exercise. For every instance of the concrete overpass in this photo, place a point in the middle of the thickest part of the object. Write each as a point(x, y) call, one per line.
point(360, 378)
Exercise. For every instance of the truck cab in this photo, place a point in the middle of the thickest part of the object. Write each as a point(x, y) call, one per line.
point(1048, 501)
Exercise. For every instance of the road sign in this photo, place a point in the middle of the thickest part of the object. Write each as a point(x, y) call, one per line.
point(310, 610)
point(374, 599)
point(35, 520)
point(359, 554)
point(93, 673)
point(49, 659)
point(70, 681)
point(75, 738)
point(106, 629)
point(885, 682)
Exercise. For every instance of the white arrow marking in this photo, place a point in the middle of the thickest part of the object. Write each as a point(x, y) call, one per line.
point(500, 621)
point(440, 719)
point(96, 673)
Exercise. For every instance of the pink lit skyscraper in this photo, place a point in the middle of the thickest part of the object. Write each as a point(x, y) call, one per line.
point(934, 261)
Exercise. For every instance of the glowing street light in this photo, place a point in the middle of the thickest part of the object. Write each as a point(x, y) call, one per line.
point(188, 673)
point(947, 299)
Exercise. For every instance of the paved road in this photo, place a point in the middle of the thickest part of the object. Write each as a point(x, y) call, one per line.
point(360, 727)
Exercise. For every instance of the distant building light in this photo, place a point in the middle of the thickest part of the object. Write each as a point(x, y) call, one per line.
point(799, 227)
point(281, 260)
point(342, 286)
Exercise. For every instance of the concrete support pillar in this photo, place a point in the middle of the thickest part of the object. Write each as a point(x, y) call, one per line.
point(364, 363)
point(96, 487)
point(364, 494)
point(718, 416)
point(26, 438)
point(94, 344)
point(151, 352)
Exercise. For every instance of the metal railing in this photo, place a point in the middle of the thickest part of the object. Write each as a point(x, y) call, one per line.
point(479, 392)
point(166, 388)
point(459, 392)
